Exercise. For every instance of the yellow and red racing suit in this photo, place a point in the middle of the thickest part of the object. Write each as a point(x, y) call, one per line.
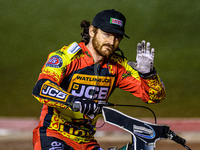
point(71, 72)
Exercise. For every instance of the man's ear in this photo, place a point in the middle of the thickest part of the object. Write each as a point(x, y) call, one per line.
point(92, 30)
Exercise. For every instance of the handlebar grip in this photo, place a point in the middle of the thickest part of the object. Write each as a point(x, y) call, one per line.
point(177, 138)
point(76, 107)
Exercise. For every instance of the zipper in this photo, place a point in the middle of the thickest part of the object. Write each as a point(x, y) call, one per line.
point(96, 73)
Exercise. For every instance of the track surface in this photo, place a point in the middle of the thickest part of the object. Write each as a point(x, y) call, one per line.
point(16, 133)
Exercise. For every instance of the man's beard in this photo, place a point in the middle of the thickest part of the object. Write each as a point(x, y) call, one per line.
point(99, 48)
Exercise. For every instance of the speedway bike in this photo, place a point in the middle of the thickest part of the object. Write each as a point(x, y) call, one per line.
point(144, 134)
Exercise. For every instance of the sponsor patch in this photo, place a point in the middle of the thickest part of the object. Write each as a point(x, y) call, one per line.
point(55, 61)
point(91, 86)
point(52, 91)
point(88, 91)
point(73, 48)
point(116, 21)
point(56, 146)
point(144, 131)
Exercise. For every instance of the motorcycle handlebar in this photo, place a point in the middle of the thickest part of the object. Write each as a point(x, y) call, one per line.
point(76, 106)
point(178, 139)
point(172, 135)
point(100, 104)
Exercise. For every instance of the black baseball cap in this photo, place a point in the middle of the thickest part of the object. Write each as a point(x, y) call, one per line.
point(110, 21)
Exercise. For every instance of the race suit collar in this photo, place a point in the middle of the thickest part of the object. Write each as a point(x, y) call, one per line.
point(86, 51)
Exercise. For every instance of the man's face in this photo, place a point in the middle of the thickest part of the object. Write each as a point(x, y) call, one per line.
point(105, 43)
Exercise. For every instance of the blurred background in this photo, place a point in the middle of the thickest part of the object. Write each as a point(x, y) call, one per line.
point(31, 29)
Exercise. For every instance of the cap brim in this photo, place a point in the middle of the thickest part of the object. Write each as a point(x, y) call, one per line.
point(126, 36)
point(114, 31)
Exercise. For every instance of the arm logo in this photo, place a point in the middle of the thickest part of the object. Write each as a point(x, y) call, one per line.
point(73, 48)
point(50, 90)
point(55, 61)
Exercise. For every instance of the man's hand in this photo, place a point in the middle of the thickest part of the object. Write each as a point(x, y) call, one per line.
point(85, 106)
point(144, 58)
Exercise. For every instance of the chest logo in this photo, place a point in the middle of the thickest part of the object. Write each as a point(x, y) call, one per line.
point(91, 86)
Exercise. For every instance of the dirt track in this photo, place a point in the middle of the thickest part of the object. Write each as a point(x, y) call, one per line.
point(17, 134)
point(27, 145)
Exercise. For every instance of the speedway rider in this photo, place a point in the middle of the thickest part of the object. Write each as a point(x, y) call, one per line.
point(85, 73)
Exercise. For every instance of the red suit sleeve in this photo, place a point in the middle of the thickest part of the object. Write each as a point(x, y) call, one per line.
point(150, 90)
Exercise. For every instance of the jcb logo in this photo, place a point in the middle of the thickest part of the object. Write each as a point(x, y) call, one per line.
point(53, 92)
point(88, 91)
point(91, 86)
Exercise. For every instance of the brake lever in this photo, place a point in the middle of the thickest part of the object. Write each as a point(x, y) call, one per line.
point(100, 105)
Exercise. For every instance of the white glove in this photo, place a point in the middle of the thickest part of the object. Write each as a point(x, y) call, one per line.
point(144, 58)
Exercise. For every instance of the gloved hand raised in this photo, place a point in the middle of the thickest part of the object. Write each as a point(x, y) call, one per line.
point(85, 106)
point(144, 58)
